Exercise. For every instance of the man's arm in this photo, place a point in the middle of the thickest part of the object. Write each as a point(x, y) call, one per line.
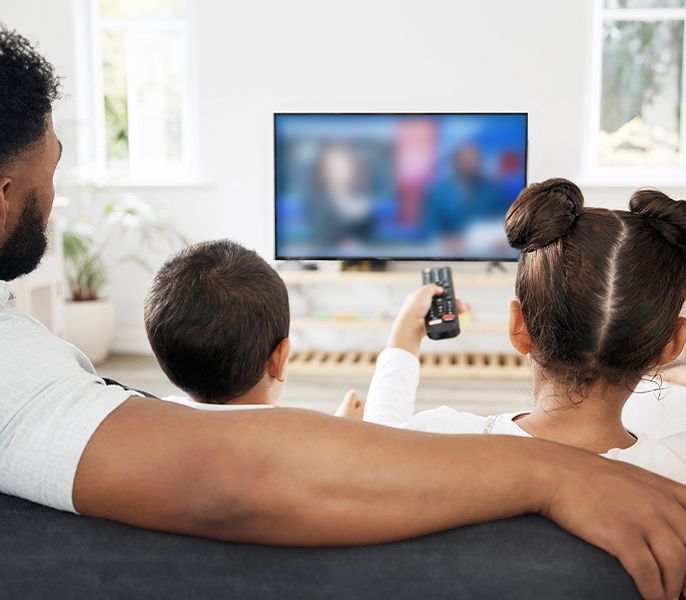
point(286, 476)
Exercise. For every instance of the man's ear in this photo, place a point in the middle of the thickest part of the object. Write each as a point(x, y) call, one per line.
point(276, 367)
point(675, 346)
point(5, 183)
point(519, 335)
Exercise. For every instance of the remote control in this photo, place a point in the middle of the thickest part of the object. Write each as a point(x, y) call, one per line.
point(441, 320)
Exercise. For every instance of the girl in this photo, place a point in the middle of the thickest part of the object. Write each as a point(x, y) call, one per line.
point(599, 297)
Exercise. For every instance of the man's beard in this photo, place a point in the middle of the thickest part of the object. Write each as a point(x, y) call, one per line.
point(23, 250)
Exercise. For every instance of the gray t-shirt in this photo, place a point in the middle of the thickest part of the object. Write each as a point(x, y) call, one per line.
point(51, 403)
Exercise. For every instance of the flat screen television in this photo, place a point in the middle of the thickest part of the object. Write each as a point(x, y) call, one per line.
point(396, 186)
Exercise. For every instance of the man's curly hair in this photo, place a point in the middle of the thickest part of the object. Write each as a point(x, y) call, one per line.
point(28, 88)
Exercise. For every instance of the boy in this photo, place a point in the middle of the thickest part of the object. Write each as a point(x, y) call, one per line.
point(217, 318)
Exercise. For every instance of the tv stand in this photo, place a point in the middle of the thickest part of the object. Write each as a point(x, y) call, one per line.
point(349, 354)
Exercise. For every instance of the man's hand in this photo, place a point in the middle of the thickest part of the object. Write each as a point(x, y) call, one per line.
point(634, 515)
point(409, 327)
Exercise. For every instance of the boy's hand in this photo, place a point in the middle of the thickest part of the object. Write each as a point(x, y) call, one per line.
point(409, 327)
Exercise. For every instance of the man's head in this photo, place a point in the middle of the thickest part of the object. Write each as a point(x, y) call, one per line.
point(29, 153)
point(217, 318)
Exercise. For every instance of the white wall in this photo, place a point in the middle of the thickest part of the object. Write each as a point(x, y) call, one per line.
point(261, 56)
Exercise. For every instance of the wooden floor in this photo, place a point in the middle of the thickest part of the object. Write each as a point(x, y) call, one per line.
point(324, 393)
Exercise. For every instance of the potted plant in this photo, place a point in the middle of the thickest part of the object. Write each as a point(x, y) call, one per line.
point(90, 244)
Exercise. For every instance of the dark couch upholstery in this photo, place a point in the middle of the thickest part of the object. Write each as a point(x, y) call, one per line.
point(50, 554)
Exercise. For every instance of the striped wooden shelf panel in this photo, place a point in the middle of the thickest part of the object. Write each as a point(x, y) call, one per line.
point(444, 365)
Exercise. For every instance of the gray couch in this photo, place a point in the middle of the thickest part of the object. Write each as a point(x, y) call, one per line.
point(50, 554)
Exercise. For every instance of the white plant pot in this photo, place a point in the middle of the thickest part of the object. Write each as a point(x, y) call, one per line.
point(89, 325)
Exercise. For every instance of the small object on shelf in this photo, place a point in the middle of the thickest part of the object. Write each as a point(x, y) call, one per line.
point(347, 316)
point(496, 265)
point(297, 265)
point(364, 265)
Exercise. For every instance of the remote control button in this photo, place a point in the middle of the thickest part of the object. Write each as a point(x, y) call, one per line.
point(449, 317)
point(435, 322)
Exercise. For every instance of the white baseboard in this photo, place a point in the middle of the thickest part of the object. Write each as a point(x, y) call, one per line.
point(130, 339)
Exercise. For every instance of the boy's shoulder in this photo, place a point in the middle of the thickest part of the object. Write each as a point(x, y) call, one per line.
point(186, 401)
point(447, 420)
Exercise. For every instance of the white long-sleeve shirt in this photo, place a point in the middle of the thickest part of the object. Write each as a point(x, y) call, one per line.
point(391, 402)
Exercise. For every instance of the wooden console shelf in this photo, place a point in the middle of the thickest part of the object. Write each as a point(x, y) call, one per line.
point(441, 365)
point(444, 365)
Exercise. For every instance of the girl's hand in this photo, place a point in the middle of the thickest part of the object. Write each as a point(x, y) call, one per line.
point(409, 327)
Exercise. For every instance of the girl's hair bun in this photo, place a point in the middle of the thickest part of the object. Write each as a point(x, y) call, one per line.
point(667, 216)
point(543, 213)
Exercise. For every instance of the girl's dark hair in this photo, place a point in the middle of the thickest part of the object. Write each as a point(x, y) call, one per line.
point(601, 290)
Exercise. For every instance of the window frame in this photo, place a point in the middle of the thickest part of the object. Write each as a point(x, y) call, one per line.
point(629, 174)
point(96, 169)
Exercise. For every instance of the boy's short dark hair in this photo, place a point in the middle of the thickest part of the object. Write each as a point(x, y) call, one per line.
point(214, 314)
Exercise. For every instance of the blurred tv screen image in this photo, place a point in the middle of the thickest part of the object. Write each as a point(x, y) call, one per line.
point(397, 186)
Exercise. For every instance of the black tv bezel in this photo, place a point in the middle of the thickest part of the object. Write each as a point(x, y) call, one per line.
point(391, 258)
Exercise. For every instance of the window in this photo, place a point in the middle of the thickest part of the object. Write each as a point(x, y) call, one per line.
point(639, 125)
point(143, 91)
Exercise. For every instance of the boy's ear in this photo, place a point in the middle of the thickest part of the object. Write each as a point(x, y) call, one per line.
point(5, 183)
point(278, 360)
point(519, 335)
point(675, 346)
